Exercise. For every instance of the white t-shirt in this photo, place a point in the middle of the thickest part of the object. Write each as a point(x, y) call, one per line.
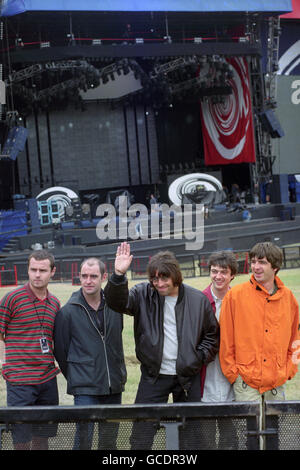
point(216, 386)
point(170, 349)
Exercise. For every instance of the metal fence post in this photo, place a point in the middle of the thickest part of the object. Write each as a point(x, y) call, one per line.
point(172, 435)
point(272, 433)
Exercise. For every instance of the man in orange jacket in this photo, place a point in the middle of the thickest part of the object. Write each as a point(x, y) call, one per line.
point(259, 326)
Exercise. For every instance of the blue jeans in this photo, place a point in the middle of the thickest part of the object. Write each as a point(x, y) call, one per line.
point(44, 394)
point(107, 432)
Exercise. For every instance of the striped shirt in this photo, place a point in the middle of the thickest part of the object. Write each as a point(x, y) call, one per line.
point(24, 320)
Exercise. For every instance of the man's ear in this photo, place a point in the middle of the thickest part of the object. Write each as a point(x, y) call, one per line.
point(104, 277)
point(53, 271)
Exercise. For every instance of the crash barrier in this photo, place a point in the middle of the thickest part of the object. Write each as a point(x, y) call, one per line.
point(282, 425)
point(192, 265)
point(191, 426)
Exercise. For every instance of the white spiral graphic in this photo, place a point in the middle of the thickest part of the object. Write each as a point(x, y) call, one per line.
point(289, 60)
point(230, 118)
point(59, 194)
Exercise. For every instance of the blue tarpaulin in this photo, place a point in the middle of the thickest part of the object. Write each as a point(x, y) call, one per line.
point(12, 224)
point(14, 7)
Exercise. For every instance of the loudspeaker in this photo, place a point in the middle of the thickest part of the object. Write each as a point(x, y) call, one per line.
point(33, 210)
point(6, 184)
point(279, 190)
point(271, 124)
point(15, 142)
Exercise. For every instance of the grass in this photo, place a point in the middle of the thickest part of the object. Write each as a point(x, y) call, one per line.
point(63, 292)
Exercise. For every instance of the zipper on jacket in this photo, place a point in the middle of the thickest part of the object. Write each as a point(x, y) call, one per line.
point(103, 340)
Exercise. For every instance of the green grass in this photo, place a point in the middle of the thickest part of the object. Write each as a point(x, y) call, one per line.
point(63, 292)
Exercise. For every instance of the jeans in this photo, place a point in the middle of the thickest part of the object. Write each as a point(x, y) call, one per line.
point(158, 391)
point(107, 432)
point(44, 394)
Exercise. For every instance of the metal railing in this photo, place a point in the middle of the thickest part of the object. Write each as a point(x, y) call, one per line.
point(191, 426)
point(282, 429)
point(192, 265)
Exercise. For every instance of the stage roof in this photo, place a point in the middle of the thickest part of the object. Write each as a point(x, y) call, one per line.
point(295, 14)
point(14, 7)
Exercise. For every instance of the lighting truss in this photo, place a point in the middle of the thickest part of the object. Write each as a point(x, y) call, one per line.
point(67, 65)
point(173, 65)
point(25, 73)
point(113, 67)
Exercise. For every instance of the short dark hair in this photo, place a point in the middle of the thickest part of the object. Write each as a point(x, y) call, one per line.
point(224, 259)
point(164, 263)
point(41, 255)
point(267, 249)
point(93, 260)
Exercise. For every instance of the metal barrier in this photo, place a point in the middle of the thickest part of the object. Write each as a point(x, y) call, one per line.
point(282, 425)
point(191, 265)
point(191, 426)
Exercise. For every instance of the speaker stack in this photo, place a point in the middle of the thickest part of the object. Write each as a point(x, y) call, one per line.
point(271, 124)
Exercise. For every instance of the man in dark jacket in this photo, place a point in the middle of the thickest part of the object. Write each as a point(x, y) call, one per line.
point(175, 330)
point(89, 349)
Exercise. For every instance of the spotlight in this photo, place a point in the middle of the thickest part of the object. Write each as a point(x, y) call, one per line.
point(96, 42)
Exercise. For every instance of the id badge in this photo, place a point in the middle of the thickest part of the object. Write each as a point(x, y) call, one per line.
point(44, 345)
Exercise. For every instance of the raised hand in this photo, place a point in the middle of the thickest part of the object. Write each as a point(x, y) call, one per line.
point(123, 258)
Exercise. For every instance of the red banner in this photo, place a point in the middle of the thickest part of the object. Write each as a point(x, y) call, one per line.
point(295, 14)
point(227, 127)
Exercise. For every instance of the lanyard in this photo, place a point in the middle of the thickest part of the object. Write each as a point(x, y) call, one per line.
point(37, 313)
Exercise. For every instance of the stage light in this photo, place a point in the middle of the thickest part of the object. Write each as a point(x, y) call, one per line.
point(96, 42)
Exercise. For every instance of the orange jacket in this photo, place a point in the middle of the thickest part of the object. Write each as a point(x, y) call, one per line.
point(257, 333)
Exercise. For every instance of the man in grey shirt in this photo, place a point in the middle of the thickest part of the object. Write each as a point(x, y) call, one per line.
point(215, 386)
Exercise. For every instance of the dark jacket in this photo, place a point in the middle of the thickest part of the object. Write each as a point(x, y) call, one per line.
point(208, 294)
point(197, 327)
point(91, 363)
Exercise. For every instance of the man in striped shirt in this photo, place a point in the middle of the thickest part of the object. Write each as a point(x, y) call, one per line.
point(27, 316)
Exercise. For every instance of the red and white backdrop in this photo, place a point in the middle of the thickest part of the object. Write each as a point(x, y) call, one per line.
point(228, 127)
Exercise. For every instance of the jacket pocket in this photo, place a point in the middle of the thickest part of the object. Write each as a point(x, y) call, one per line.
point(245, 357)
point(246, 362)
point(81, 372)
point(281, 363)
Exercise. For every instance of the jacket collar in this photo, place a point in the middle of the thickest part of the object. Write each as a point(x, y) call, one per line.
point(208, 293)
point(261, 288)
point(32, 295)
point(78, 297)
